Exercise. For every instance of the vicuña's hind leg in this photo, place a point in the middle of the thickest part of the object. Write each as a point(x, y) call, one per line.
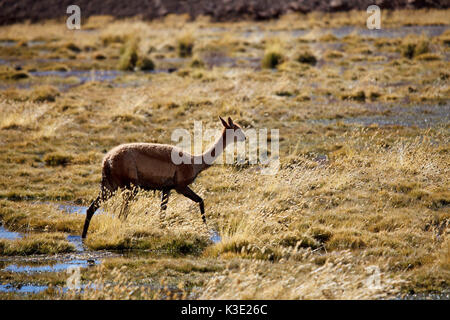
point(128, 194)
point(164, 199)
point(90, 212)
point(187, 192)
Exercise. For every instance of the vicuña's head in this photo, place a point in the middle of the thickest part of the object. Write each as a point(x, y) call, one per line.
point(238, 134)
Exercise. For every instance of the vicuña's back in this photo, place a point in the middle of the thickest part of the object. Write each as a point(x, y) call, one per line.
point(150, 166)
point(145, 165)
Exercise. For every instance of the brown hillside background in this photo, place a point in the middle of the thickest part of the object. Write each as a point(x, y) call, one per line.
point(12, 11)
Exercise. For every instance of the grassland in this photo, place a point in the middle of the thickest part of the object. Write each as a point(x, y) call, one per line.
point(362, 189)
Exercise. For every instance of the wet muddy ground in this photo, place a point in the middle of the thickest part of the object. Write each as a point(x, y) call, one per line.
point(70, 77)
point(424, 116)
point(38, 264)
point(81, 258)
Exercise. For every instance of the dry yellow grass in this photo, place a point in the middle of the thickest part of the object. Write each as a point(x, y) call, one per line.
point(49, 243)
point(355, 196)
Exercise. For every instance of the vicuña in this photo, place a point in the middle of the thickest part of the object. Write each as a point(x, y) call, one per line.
point(149, 166)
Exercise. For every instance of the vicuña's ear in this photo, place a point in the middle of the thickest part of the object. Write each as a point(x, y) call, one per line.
point(230, 122)
point(225, 124)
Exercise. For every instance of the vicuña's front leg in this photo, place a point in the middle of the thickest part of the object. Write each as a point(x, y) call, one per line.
point(187, 192)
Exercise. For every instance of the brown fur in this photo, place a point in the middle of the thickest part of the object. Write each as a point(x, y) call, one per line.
point(149, 166)
point(145, 165)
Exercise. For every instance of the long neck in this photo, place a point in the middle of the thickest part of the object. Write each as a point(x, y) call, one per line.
point(205, 160)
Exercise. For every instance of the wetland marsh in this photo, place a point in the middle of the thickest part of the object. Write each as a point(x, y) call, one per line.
point(361, 197)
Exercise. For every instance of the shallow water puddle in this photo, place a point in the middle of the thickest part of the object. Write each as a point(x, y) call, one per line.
point(445, 295)
point(58, 267)
point(91, 75)
point(82, 75)
point(22, 288)
point(9, 235)
point(430, 31)
point(420, 116)
point(214, 236)
point(69, 208)
point(77, 242)
point(33, 43)
point(7, 43)
point(36, 264)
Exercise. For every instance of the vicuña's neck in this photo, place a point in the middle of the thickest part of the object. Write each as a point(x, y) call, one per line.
point(206, 159)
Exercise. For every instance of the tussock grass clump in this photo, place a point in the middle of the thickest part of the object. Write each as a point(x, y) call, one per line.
point(72, 47)
point(303, 97)
point(307, 58)
point(346, 240)
point(197, 62)
point(411, 48)
point(44, 93)
point(109, 39)
point(130, 59)
point(446, 40)
point(272, 57)
point(297, 240)
point(373, 95)
point(145, 64)
point(26, 217)
point(48, 243)
point(245, 235)
point(57, 159)
point(333, 54)
point(19, 75)
point(329, 37)
point(321, 234)
point(358, 95)
point(428, 57)
point(284, 93)
point(99, 56)
point(56, 67)
point(127, 118)
point(185, 45)
point(129, 56)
